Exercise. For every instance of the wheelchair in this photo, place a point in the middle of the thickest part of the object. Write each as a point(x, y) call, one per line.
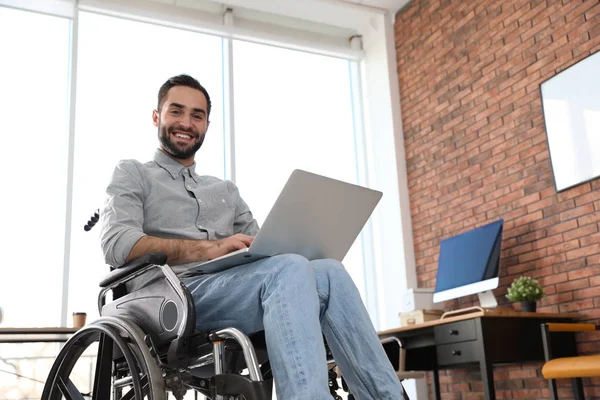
point(147, 346)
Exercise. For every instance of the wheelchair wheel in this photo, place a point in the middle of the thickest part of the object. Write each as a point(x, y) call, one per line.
point(124, 368)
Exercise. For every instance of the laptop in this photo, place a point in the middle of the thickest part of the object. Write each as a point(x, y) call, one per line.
point(314, 216)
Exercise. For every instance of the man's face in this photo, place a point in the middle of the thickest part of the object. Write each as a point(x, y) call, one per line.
point(182, 122)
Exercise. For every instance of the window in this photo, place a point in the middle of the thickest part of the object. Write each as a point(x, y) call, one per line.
point(34, 81)
point(292, 110)
point(121, 66)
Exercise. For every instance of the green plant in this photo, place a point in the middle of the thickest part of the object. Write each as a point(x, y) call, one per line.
point(525, 289)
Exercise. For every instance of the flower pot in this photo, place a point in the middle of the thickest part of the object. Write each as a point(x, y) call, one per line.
point(528, 306)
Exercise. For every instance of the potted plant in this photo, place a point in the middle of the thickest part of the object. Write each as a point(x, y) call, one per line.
point(527, 291)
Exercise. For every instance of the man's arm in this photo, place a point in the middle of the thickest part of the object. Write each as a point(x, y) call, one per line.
point(122, 235)
point(183, 251)
point(122, 217)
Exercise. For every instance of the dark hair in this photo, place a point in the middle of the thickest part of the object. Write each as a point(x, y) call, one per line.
point(182, 80)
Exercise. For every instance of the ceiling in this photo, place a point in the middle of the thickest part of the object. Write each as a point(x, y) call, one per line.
point(389, 5)
point(345, 14)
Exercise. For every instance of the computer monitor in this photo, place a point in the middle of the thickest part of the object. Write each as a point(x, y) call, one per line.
point(468, 264)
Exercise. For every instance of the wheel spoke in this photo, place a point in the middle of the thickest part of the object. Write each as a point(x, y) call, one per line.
point(103, 376)
point(68, 389)
point(129, 395)
point(145, 384)
point(145, 389)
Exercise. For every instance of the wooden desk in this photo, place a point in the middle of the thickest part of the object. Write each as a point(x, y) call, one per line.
point(31, 335)
point(488, 337)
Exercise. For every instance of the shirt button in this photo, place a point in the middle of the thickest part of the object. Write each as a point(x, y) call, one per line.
point(189, 187)
point(199, 201)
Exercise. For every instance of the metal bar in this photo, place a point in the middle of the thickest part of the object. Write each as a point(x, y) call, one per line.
point(546, 344)
point(202, 361)
point(247, 349)
point(391, 339)
point(577, 387)
point(70, 163)
point(435, 383)
point(487, 376)
point(128, 380)
point(218, 353)
point(228, 102)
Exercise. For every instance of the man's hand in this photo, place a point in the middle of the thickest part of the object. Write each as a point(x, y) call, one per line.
point(216, 248)
point(183, 251)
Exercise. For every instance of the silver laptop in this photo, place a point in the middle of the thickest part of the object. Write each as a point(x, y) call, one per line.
point(314, 216)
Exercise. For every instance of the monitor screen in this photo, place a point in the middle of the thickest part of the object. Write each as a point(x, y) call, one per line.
point(467, 259)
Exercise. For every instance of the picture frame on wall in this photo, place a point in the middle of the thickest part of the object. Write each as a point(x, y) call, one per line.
point(571, 109)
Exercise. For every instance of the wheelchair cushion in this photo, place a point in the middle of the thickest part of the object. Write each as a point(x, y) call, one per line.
point(133, 266)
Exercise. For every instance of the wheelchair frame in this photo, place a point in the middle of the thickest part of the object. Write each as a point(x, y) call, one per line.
point(147, 346)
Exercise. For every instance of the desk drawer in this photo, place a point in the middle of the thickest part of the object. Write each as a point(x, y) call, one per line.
point(457, 353)
point(455, 332)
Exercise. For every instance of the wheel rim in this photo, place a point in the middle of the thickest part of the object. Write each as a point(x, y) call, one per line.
point(143, 381)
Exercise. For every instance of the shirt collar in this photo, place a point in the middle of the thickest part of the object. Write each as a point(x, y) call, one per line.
point(173, 167)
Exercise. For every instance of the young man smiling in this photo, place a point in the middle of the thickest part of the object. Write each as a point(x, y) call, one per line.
point(165, 206)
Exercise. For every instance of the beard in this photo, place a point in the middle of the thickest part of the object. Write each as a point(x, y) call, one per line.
point(176, 150)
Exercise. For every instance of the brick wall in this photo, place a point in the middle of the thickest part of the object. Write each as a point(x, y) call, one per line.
point(476, 151)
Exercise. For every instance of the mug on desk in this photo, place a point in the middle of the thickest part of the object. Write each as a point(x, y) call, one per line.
point(79, 319)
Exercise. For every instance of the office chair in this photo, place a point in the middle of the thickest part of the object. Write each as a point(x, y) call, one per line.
point(574, 368)
point(396, 353)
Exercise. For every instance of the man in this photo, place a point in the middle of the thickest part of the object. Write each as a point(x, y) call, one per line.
point(163, 205)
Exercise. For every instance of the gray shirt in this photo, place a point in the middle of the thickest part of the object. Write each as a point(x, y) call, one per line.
point(163, 198)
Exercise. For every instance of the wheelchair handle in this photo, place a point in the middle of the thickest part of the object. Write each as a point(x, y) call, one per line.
point(92, 221)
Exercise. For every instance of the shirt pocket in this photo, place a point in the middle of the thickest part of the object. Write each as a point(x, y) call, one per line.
point(219, 213)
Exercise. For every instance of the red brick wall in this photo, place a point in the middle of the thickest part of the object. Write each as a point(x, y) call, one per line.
point(476, 151)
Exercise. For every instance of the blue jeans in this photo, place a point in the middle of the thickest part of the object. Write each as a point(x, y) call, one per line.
point(296, 302)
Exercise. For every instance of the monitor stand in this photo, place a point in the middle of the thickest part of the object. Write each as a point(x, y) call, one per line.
point(486, 300)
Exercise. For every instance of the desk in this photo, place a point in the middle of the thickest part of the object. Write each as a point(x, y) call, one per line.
point(485, 338)
point(31, 335)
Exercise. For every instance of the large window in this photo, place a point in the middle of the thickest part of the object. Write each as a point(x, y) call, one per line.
point(121, 66)
point(293, 110)
point(34, 87)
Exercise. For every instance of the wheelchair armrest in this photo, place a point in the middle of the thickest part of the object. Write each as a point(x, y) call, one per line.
point(132, 267)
